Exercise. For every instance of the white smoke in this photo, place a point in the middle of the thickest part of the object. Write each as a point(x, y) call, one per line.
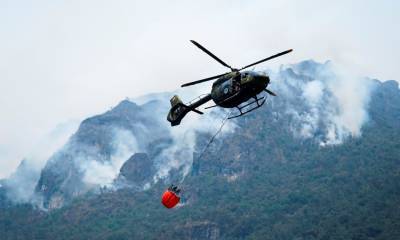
point(21, 184)
point(336, 101)
point(179, 154)
point(103, 173)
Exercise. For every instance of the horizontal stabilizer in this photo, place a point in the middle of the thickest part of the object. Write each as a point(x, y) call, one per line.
point(270, 92)
point(196, 111)
point(179, 110)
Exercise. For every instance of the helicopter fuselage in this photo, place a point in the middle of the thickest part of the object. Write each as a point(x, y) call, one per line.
point(233, 89)
point(230, 90)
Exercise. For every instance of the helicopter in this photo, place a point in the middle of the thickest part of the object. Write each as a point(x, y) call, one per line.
point(232, 89)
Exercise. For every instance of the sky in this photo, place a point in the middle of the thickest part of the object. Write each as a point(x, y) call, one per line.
point(63, 61)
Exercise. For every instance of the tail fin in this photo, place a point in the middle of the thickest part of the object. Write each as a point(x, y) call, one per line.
point(178, 111)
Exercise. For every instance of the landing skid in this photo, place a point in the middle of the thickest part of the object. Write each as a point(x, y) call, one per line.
point(211, 106)
point(256, 100)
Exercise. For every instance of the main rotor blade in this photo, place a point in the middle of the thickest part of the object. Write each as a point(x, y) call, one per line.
point(266, 59)
point(203, 80)
point(210, 54)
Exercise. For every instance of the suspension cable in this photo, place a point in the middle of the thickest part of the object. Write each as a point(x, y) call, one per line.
point(224, 120)
point(216, 133)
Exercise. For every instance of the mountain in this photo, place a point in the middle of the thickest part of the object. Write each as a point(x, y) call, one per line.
point(136, 172)
point(101, 144)
point(319, 161)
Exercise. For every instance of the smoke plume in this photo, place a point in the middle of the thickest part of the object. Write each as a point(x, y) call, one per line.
point(326, 101)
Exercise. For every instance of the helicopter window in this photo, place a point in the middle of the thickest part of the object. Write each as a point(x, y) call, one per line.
point(225, 87)
point(226, 90)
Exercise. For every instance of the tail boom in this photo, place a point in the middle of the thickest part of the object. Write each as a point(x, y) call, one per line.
point(179, 110)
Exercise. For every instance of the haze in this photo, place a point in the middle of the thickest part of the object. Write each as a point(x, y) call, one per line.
point(62, 61)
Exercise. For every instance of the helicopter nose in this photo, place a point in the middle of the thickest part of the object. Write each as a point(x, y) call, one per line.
point(266, 79)
point(263, 79)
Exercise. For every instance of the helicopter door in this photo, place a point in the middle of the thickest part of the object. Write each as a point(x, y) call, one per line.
point(222, 91)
